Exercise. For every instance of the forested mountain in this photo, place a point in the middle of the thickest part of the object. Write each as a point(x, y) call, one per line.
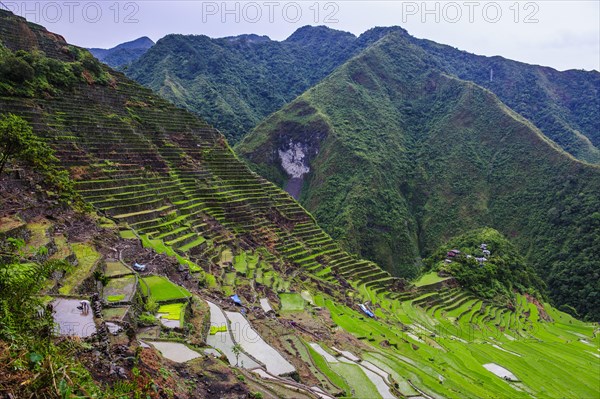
point(394, 156)
point(235, 82)
point(123, 54)
point(563, 105)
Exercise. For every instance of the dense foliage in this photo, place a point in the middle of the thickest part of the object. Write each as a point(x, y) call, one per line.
point(563, 105)
point(235, 82)
point(31, 73)
point(415, 157)
point(503, 271)
point(18, 142)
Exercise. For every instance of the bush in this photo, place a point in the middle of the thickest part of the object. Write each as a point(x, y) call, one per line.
point(16, 70)
point(147, 319)
point(17, 141)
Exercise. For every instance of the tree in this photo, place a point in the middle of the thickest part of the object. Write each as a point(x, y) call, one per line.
point(237, 350)
point(15, 69)
point(16, 139)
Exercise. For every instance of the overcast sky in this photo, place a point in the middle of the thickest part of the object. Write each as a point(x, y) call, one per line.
point(561, 34)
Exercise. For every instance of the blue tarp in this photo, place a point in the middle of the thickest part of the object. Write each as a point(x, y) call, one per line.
point(236, 299)
point(138, 266)
point(367, 311)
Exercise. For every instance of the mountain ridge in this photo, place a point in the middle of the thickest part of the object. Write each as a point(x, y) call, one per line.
point(235, 83)
point(384, 176)
point(123, 54)
point(561, 104)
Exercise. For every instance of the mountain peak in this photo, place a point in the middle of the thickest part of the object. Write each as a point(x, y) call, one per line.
point(309, 33)
point(378, 32)
point(124, 53)
point(143, 42)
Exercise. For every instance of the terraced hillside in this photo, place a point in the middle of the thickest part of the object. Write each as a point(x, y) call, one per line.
point(172, 179)
point(394, 157)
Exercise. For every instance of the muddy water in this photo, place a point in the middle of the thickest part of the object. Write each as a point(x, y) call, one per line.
point(175, 351)
point(72, 321)
point(252, 343)
point(224, 341)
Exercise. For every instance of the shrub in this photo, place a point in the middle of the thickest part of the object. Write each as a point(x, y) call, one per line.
point(17, 70)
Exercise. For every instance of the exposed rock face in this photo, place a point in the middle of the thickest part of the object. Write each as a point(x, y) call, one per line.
point(294, 159)
point(291, 150)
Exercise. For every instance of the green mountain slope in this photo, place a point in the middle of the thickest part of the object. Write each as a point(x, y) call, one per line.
point(402, 157)
point(124, 54)
point(563, 105)
point(158, 169)
point(235, 82)
point(170, 194)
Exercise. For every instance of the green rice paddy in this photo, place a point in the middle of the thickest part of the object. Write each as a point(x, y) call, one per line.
point(173, 311)
point(161, 289)
point(291, 302)
point(116, 269)
point(429, 278)
point(445, 358)
point(120, 289)
point(115, 298)
point(87, 258)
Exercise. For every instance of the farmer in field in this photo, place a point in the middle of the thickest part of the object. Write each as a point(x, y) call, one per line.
point(84, 306)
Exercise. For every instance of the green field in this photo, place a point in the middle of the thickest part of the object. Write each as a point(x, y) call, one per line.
point(119, 289)
point(162, 289)
point(428, 279)
point(115, 298)
point(116, 269)
point(446, 358)
point(87, 258)
point(291, 302)
point(173, 311)
point(360, 385)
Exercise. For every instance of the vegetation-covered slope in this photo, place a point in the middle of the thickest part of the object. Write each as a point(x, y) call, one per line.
point(124, 54)
point(172, 197)
point(162, 172)
point(563, 105)
point(402, 157)
point(235, 82)
point(487, 263)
